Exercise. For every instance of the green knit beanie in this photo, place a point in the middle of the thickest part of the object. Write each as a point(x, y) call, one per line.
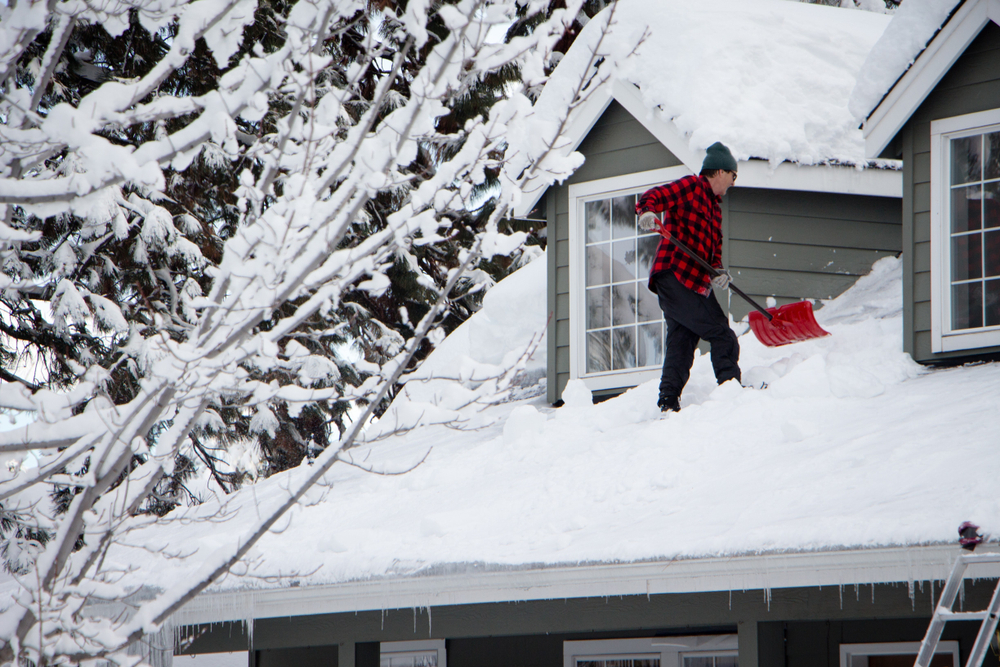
point(718, 157)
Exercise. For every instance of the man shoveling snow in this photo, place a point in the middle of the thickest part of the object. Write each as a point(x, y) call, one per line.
point(692, 215)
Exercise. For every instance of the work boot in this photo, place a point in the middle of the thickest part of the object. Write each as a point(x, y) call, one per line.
point(669, 404)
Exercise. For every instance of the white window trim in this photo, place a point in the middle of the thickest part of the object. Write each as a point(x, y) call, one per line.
point(416, 648)
point(579, 194)
point(895, 648)
point(943, 339)
point(670, 650)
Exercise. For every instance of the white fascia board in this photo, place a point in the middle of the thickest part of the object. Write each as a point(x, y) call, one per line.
point(821, 178)
point(695, 575)
point(579, 127)
point(916, 84)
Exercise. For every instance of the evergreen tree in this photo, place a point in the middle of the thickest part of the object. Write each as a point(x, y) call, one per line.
point(103, 282)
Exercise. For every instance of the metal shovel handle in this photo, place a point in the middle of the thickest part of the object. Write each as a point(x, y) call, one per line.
point(712, 271)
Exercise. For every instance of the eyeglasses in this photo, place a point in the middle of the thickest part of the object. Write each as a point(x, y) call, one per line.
point(733, 173)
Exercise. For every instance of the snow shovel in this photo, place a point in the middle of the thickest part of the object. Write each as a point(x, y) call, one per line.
point(791, 323)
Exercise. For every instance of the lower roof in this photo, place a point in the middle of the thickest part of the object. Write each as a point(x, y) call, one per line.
point(477, 583)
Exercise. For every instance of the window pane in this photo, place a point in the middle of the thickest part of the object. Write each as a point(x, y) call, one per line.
point(598, 223)
point(599, 351)
point(991, 204)
point(966, 257)
point(623, 216)
point(992, 157)
point(624, 267)
point(992, 303)
point(649, 305)
point(646, 254)
point(697, 661)
point(727, 661)
point(599, 264)
point(623, 301)
point(650, 345)
point(967, 306)
point(623, 350)
point(599, 308)
point(965, 159)
point(965, 208)
point(992, 255)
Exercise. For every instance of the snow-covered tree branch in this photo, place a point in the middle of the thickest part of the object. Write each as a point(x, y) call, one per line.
point(131, 319)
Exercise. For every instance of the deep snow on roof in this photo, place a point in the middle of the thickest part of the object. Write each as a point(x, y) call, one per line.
point(914, 25)
point(769, 78)
point(851, 445)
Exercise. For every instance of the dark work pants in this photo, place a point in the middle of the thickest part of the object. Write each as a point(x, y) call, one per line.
point(691, 317)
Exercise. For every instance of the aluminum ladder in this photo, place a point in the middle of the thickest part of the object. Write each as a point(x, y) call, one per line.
point(944, 613)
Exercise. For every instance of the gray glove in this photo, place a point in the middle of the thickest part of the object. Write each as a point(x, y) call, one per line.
point(649, 222)
point(721, 281)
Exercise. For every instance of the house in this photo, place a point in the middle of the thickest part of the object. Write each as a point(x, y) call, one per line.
point(806, 525)
point(771, 80)
point(931, 98)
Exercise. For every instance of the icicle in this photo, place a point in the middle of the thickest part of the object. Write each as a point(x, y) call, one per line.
point(383, 617)
point(873, 593)
point(414, 620)
point(961, 596)
point(857, 593)
point(430, 634)
point(933, 605)
point(840, 589)
point(730, 599)
point(913, 598)
point(767, 597)
point(248, 619)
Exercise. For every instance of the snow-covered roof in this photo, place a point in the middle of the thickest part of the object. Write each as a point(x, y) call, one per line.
point(769, 78)
point(914, 25)
point(851, 456)
point(923, 41)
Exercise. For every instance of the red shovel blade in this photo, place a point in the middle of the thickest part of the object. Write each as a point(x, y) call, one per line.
point(791, 323)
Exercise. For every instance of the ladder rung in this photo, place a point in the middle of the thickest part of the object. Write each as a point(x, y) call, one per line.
point(972, 559)
point(963, 615)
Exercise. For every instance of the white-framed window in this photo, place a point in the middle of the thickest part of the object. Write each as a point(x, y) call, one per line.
point(616, 326)
point(896, 654)
point(426, 653)
point(965, 231)
point(687, 651)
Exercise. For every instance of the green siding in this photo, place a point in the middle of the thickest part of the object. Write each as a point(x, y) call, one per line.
point(794, 627)
point(971, 85)
point(806, 245)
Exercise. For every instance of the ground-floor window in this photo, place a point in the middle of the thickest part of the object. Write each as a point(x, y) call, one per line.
point(686, 651)
point(428, 653)
point(896, 654)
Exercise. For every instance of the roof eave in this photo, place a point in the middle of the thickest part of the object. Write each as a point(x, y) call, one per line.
point(841, 179)
point(912, 88)
point(476, 586)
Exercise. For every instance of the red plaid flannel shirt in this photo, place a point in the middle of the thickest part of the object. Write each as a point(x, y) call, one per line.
point(692, 215)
